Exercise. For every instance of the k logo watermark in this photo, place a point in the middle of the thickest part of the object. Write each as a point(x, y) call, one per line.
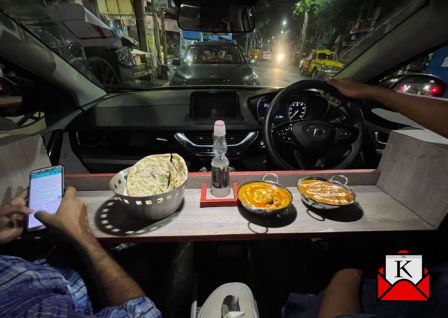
point(403, 278)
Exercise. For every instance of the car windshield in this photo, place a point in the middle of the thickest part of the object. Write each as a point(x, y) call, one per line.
point(120, 46)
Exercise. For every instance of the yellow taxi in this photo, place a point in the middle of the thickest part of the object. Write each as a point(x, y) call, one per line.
point(320, 62)
point(255, 54)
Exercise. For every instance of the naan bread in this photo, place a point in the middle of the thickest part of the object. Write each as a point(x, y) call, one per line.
point(156, 174)
point(178, 172)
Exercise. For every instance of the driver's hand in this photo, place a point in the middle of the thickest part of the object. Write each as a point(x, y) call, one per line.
point(70, 219)
point(353, 89)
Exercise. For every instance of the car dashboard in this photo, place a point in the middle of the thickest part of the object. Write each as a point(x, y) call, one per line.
point(125, 127)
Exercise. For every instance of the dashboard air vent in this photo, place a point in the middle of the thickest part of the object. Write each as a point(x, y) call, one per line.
point(206, 138)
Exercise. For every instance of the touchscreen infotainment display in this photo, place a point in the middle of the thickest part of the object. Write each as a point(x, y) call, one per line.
point(214, 105)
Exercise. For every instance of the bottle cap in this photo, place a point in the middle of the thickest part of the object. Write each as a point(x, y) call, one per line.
point(220, 128)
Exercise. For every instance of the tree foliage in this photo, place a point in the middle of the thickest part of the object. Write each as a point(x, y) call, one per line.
point(313, 7)
point(329, 15)
point(327, 19)
point(330, 12)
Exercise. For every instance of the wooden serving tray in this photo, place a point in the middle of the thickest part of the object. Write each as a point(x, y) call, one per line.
point(375, 211)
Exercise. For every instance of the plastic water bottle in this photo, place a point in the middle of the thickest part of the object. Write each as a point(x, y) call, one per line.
point(220, 163)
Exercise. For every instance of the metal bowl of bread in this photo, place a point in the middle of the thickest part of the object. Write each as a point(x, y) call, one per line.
point(323, 193)
point(153, 188)
point(264, 197)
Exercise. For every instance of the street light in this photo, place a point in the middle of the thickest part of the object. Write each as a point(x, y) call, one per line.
point(282, 32)
point(284, 22)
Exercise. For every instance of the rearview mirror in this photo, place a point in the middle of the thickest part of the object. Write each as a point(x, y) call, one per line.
point(419, 84)
point(221, 17)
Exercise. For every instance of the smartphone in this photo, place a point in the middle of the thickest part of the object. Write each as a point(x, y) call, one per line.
point(45, 193)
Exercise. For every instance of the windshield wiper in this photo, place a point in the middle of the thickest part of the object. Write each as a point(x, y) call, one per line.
point(124, 89)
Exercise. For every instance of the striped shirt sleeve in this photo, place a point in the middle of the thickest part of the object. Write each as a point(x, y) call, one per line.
point(38, 290)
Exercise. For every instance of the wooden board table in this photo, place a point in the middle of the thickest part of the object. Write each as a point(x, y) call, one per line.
point(375, 211)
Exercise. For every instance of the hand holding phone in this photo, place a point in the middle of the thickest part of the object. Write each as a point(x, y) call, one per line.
point(71, 219)
point(45, 192)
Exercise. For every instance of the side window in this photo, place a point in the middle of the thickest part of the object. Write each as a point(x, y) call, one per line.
point(16, 117)
point(426, 75)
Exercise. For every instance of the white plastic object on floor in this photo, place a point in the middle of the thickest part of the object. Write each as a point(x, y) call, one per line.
point(234, 314)
point(212, 306)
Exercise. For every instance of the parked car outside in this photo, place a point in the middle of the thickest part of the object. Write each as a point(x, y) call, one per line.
point(89, 44)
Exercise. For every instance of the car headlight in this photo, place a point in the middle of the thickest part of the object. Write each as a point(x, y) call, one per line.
point(280, 57)
point(125, 57)
point(250, 79)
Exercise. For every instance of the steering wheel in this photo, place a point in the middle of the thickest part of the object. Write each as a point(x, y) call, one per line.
point(312, 144)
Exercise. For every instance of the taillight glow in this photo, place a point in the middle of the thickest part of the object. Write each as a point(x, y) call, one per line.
point(436, 90)
point(403, 88)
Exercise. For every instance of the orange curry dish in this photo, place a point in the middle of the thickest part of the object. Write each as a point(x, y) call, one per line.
point(263, 195)
point(326, 192)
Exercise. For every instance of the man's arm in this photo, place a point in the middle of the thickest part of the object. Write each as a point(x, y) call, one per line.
point(429, 112)
point(342, 294)
point(112, 279)
point(71, 220)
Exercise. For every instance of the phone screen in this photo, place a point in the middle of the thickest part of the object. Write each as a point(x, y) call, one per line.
point(45, 192)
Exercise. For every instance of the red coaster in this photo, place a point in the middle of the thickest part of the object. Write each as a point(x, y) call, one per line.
point(218, 202)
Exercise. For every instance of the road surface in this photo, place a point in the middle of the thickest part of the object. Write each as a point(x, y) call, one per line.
point(273, 75)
